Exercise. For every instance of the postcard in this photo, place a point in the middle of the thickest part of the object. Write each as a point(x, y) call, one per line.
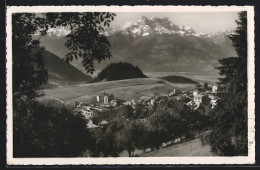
point(124, 85)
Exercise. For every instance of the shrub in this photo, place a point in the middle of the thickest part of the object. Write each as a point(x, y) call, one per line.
point(49, 131)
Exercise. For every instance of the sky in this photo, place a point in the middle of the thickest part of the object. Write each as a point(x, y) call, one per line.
point(201, 22)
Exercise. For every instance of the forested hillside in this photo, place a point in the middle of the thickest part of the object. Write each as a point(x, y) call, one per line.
point(120, 71)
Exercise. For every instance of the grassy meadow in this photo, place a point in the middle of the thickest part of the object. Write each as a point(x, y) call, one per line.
point(188, 148)
point(122, 89)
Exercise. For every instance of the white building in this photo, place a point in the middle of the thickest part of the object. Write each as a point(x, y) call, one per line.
point(98, 98)
point(103, 122)
point(87, 113)
point(144, 98)
point(214, 88)
point(127, 103)
point(198, 99)
point(172, 92)
point(195, 92)
point(105, 99)
point(133, 102)
point(152, 101)
point(113, 103)
point(192, 105)
point(213, 103)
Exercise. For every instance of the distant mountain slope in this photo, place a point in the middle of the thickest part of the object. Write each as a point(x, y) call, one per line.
point(179, 79)
point(159, 45)
point(120, 71)
point(61, 72)
point(223, 41)
point(156, 45)
point(171, 53)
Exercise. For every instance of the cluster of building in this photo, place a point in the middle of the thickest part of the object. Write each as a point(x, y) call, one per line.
point(197, 97)
point(145, 100)
point(103, 101)
point(108, 101)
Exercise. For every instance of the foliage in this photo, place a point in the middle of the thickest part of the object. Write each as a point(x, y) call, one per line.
point(132, 136)
point(120, 71)
point(199, 87)
point(229, 136)
point(169, 120)
point(44, 130)
point(108, 115)
point(49, 131)
point(141, 112)
point(105, 142)
point(206, 86)
point(179, 79)
point(84, 40)
point(205, 100)
point(28, 67)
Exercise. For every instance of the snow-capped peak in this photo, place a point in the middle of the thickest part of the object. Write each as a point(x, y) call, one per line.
point(186, 28)
point(147, 26)
point(58, 31)
point(150, 26)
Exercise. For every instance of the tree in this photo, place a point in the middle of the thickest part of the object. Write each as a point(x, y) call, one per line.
point(132, 136)
point(28, 67)
point(120, 71)
point(205, 100)
point(229, 135)
point(84, 40)
point(198, 87)
point(206, 86)
point(50, 130)
point(106, 142)
point(29, 74)
point(128, 112)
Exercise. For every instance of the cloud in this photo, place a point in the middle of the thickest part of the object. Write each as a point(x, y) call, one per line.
point(127, 24)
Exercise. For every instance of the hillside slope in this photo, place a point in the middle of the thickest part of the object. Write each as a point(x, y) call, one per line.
point(61, 72)
point(192, 147)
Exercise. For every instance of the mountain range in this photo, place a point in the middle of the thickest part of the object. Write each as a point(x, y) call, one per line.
point(155, 45)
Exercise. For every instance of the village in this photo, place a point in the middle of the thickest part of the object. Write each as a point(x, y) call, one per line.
point(106, 102)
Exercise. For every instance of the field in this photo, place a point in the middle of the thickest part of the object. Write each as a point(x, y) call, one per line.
point(188, 148)
point(122, 89)
point(200, 78)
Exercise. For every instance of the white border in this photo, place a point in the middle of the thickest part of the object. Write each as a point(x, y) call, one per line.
point(250, 159)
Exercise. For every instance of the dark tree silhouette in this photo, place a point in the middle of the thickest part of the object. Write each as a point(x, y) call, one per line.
point(84, 40)
point(28, 67)
point(51, 130)
point(120, 71)
point(206, 86)
point(229, 135)
point(54, 134)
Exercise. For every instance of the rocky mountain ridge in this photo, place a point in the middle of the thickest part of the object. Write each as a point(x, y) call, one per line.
point(147, 26)
point(155, 44)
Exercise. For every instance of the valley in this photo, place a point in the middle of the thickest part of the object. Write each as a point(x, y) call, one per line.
point(146, 86)
point(122, 89)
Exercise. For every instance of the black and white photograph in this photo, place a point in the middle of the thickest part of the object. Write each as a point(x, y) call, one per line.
point(130, 85)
